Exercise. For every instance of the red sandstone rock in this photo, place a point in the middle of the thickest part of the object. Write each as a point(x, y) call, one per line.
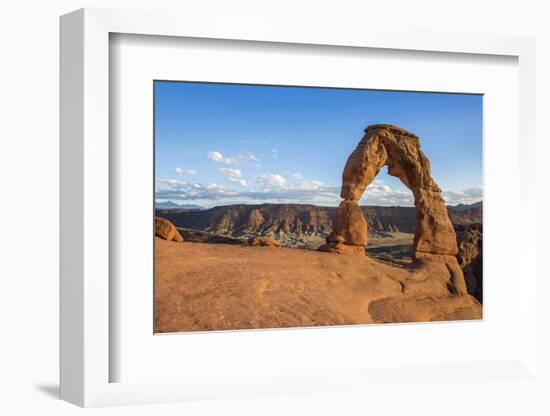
point(470, 250)
point(387, 145)
point(399, 150)
point(351, 224)
point(166, 230)
point(221, 286)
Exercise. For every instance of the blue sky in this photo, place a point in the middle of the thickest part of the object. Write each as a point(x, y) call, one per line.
point(219, 144)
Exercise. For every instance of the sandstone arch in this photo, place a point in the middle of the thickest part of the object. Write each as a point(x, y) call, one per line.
point(399, 150)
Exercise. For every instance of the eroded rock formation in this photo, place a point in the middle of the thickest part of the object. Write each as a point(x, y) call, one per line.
point(387, 145)
point(166, 230)
point(302, 219)
point(470, 255)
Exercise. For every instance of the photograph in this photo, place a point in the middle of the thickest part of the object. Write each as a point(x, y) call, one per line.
point(291, 207)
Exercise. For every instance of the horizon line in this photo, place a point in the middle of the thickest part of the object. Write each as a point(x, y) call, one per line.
point(299, 203)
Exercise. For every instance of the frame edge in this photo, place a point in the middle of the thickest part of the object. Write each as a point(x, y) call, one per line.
point(71, 220)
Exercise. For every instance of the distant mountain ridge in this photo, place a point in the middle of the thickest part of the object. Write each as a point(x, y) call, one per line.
point(302, 219)
point(173, 205)
point(463, 207)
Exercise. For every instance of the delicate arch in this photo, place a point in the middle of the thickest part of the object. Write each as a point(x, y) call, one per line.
point(387, 145)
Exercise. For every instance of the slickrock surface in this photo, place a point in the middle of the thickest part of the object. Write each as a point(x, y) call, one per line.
point(166, 230)
point(219, 286)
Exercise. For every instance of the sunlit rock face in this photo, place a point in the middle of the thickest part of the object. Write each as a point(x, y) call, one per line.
point(166, 230)
point(399, 150)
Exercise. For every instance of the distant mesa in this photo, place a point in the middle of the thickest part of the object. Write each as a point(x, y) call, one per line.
point(301, 220)
point(465, 207)
point(166, 230)
point(399, 150)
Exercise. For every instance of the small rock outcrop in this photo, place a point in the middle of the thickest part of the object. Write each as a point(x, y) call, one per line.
point(263, 241)
point(166, 230)
point(470, 255)
point(399, 150)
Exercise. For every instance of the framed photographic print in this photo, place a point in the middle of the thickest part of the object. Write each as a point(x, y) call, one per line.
point(272, 212)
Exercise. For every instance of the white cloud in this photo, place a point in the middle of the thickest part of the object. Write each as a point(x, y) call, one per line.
point(216, 156)
point(172, 183)
point(474, 192)
point(234, 176)
point(173, 190)
point(466, 196)
point(274, 188)
point(378, 193)
point(379, 188)
point(269, 181)
point(232, 160)
point(190, 172)
point(269, 188)
point(309, 185)
point(298, 176)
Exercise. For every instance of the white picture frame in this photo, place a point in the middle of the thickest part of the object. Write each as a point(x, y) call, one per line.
point(86, 355)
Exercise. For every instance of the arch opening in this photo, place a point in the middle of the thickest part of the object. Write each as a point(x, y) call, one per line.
point(388, 207)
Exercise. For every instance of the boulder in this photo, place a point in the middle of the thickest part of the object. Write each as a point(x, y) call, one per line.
point(166, 230)
point(263, 241)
